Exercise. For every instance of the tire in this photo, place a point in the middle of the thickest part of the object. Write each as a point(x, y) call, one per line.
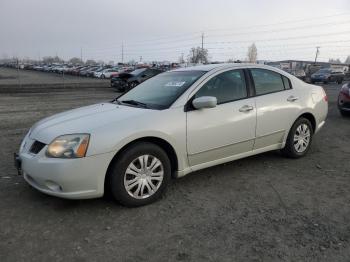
point(290, 149)
point(340, 81)
point(344, 113)
point(121, 174)
point(103, 76)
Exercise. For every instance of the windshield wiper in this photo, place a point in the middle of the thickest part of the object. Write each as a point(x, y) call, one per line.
point(134, 102)
point(115, 100)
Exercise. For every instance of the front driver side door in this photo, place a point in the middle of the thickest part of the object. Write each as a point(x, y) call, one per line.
point(227, 129)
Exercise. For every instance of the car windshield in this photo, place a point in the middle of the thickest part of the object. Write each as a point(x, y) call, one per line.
point(324, 71)
point(138, 71)
point(162, 90)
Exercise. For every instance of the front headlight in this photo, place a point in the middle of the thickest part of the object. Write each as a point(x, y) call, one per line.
point(69, 146)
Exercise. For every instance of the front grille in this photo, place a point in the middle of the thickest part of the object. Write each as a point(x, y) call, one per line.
point(36, 147)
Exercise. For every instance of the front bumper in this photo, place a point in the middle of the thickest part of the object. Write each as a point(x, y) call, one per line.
point(79, 178)
point(318, 79)
point(344, 102)
point(119, 85)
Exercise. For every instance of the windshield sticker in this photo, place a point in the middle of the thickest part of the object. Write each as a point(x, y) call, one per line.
point(175, 84)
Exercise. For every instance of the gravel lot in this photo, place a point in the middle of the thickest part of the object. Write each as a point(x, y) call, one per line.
point(263, 208)
point(36, 81)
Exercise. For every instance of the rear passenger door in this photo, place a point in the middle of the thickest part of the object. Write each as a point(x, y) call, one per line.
point(277, 105)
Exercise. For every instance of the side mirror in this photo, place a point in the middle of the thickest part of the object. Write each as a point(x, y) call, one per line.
point(205, 102)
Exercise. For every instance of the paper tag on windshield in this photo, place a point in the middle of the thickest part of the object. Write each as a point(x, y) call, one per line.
point(175, 84)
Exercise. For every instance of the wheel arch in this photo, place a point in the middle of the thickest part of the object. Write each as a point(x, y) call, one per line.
point(309, 116)
point(162, 143)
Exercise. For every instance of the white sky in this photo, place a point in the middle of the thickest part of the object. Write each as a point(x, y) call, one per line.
point(164, 29)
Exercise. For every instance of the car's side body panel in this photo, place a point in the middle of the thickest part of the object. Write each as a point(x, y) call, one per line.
point(274, 115)
point(225, 130)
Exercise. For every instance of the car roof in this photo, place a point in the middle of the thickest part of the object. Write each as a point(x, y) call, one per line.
point(210, 67)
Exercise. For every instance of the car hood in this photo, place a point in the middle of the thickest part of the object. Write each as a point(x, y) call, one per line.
point(124, 76)
point(82, 120)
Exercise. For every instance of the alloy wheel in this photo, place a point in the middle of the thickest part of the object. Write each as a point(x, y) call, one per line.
point(302, 138)
point(143, 176)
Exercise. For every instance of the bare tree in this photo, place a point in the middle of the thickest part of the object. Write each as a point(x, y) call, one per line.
point(91, 62)
point(198, 55)
point(252, 53)
point(335, 61)
point(50, 59)
point(347, 60)
point(75, 61)
point(181, 59)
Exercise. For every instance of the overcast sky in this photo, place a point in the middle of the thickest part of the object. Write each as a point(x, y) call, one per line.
point(164, 29)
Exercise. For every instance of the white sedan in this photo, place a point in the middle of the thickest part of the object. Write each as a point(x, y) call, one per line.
point(169, 126)
point(106, 73)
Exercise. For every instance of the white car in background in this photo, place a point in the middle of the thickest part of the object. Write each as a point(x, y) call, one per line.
point(168, 126)
point(106, 73)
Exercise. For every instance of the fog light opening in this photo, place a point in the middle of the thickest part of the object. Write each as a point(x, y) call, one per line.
point(53, 186)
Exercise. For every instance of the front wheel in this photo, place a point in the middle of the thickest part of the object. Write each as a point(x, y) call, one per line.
point(140, 175)
point(299, 139)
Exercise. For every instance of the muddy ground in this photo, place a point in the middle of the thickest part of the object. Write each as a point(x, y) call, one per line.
point(263, 208)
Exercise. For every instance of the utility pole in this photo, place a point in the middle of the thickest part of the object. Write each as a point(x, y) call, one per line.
point(317, 52)
point(140, 58)
point(122, 53)
point(81, 54)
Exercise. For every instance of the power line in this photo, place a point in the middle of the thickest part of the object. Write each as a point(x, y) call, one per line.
point(182, 37)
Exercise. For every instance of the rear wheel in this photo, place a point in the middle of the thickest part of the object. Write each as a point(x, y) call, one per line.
point(140, 175)
point(344, 113)
point(299, 139)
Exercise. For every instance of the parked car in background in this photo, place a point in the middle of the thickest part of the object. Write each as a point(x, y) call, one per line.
point(344, 100)
point(327, 75)
point(170, 125)
point(87, 70)
point(106, 73)
point(91, 73)
point(126, 81)
point(299, 73)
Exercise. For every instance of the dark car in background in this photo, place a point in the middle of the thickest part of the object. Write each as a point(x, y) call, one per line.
point(327, 75)
point(126, 81)
point(344, 100)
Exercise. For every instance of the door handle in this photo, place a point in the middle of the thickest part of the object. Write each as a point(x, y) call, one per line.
point(246, 108)
point(292, 99)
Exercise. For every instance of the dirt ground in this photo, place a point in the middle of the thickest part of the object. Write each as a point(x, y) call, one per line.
point(262, 208)
point(35, 81)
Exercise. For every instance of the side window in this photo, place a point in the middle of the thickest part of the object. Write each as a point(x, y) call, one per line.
point(286, 83)
point(266, 81)
point(226, 87)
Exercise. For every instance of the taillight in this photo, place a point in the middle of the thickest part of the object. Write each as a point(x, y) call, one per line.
point(325, 97)
point(345, 90)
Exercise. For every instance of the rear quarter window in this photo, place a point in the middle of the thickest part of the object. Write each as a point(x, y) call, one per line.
point(286, 82)
point(266, 81)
